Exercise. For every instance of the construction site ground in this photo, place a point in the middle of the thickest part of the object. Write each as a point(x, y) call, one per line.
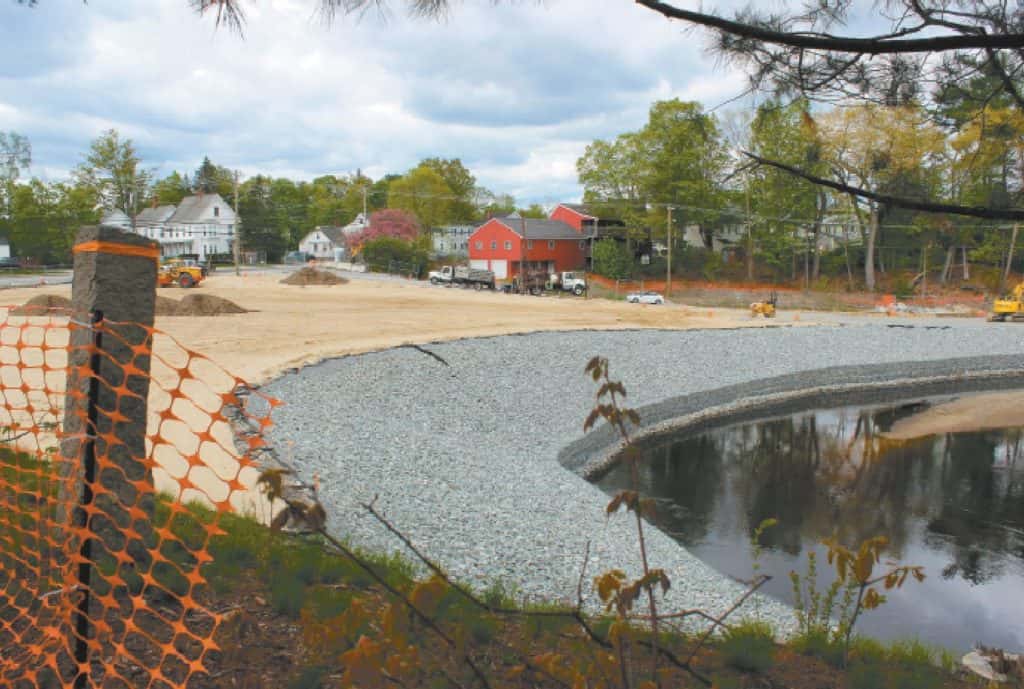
point(290, 326)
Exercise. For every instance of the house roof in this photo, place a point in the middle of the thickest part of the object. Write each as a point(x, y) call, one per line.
point(580, 208)
point(193, 208)
point(155, 215)
point(333, 233)
point(114, 217)
point(542, 229)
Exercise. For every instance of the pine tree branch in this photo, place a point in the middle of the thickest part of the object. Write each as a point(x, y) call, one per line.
point(982, 212)
point(881, 45)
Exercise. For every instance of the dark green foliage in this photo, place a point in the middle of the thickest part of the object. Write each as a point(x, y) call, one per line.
point(612, 259)
point(749, 646)
point(326, 603)
point(382, 252)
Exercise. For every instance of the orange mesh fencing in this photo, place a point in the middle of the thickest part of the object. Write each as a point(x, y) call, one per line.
point(101, 553)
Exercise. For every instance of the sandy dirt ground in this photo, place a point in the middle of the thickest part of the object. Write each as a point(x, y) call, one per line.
point(292, 326)
point(970, 413)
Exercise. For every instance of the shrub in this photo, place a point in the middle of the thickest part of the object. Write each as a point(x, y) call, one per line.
point(749, 646)
point(817, 643)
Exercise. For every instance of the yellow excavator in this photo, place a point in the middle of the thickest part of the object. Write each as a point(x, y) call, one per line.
point(765, 308)
point(1011, 306)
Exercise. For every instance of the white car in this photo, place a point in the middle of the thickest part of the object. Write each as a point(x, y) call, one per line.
point(645, 298)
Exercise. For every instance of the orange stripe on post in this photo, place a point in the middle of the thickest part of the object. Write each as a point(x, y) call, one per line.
point(97, 247)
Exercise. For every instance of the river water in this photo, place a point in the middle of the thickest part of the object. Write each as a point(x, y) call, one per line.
point(953, 503)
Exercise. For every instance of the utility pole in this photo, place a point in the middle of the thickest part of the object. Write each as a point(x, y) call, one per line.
point(522, 256)
point(237, 244)
point(365, 219)
point(668, 263)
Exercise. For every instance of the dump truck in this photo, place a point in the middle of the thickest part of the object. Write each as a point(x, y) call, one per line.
point(464, 276)
point(177, 272)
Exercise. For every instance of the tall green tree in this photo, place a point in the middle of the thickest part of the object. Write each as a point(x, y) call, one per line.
point(424, 193)
point(113, 170)
point(782, 204)
point(461, 184)
point(15, 156)
point(262, 228)
point(170, 190)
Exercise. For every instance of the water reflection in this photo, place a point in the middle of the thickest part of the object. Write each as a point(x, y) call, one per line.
point(953, 503)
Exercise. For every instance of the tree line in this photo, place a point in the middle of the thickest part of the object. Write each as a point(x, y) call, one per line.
point(782, 225)
point(40, 218)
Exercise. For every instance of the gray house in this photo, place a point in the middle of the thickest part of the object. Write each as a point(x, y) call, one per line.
point(451, 240)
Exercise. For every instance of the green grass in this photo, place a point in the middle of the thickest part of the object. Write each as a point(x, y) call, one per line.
point(749, 646)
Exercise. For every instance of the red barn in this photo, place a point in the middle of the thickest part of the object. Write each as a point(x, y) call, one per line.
point(575, 214)
point(500, 244)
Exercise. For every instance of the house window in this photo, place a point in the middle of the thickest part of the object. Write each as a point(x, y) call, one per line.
point(583, 244)
point(508, 245)
point(440, 246)
point(216, 211)
point(494, 243)
point(551, 243)
point(529, 243)
point(478, 244)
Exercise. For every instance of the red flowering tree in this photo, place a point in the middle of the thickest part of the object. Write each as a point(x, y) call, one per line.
point(390, 222)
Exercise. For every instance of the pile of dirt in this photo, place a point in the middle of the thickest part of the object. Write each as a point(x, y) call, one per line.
point(197, 305)
point(312, 276)
point(42, 304)
point(166, 306)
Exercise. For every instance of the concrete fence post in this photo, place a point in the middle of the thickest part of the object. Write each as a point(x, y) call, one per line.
point(110, 486)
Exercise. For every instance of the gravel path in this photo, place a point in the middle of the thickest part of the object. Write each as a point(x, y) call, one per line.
point(464, 458)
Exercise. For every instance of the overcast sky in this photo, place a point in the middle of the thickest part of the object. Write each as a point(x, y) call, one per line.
point(516, 91)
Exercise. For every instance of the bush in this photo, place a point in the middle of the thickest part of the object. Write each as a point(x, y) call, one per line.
point(749, 646)
point(379, 253)
point(817, 643)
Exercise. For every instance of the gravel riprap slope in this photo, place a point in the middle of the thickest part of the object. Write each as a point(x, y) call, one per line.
point(463, 459)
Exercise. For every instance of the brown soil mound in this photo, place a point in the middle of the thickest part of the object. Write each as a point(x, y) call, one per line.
point(206, 305)
point(42, 304)
point(165, 306)
point(312, 276)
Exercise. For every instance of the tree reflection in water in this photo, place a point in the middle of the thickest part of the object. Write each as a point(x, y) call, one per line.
point(954, 503)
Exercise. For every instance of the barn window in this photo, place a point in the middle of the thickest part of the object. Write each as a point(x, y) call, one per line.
point(583, 244)
point(508, 245)
point(551, 243)
point(494, 243)
point(529, 243)
point(478, 244)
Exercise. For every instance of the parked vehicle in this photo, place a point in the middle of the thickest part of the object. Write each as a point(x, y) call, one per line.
point(569, 281)
point(9, 262)
point(645, 298)
point(463, 275)
point(299, 257)
point(175, 272)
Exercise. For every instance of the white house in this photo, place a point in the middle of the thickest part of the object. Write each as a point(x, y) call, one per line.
point(356, 226)
point(325, 243)
point(203, 224)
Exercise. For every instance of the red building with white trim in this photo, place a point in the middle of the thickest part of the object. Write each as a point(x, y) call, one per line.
point(551, 245)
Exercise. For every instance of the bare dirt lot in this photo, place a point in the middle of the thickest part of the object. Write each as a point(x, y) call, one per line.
point(289, 326)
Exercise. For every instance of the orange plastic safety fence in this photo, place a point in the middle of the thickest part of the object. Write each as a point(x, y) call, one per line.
point(102, 545)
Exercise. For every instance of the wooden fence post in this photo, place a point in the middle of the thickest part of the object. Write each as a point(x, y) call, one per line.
point(113, 301)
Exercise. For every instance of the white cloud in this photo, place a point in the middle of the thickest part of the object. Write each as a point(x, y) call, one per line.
point(515, 90)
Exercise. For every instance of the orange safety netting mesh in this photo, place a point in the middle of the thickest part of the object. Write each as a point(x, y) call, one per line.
point(102, 542)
